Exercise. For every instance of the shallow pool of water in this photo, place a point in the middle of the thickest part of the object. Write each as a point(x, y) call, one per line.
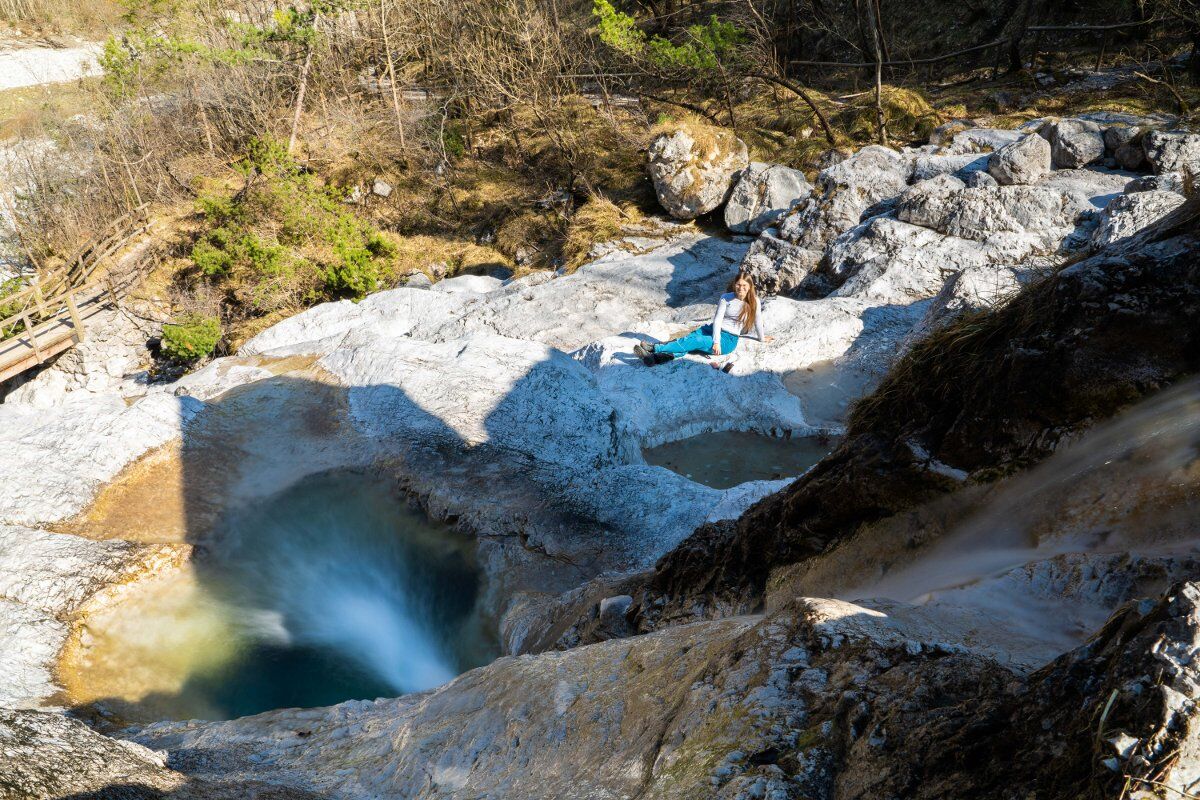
point(332, 590)
point(729, 458)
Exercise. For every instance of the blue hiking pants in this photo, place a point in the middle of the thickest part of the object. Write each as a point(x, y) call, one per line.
point(699, 340)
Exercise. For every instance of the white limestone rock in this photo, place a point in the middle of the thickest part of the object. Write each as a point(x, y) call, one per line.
point(64, 455)
point(976, 287)
point(981, 140)
point(844, 192)
point(889, 261)
point(1172, 151)
point(1026, 160)
point(960, 166)
point(1129, 213)
point(1044, 215)
point(1075, 143)
point(762, 194)
point(776, 265)
point(694, 168)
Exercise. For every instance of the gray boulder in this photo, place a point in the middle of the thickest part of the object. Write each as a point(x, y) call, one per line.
point(961, 166)
point(777, 266)
point(1075, 143)
point(693, 169)
point(1172, 151)
point(1044, 215)
point(846, 190)
point(1129, 213)
point(763, 193)
point(981, 180)
point(1118, 136)
point(1166, 182)
point(1026, 160)
point(982, 140)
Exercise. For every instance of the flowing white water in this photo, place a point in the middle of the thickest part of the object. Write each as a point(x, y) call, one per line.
point(328, 591)
point(350, 571)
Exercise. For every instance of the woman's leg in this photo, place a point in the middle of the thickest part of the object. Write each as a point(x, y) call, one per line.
point(729, 342)
point(699, 339)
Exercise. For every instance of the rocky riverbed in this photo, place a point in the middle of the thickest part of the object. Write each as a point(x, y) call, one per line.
point(663, 638)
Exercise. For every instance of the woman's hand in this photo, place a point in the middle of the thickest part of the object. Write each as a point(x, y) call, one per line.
point(768, 339)
point(716, 348)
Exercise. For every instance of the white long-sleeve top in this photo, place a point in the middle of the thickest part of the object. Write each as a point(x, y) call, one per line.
point(727, 317)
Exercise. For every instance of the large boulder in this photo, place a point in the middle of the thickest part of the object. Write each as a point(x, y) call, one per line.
point(961, 166)
point(694, 167)
point(1044, 215)
point(893, 262)
point(777, 266)
point(1129, 213)
point(982, 140)
point(763, 193)
point(1172, 151)
point(1123, 143)
point(846, 190)
point(1026, 160)
point(1074, 143)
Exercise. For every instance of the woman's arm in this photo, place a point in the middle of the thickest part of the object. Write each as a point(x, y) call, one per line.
point(760, 330)
point(716, 325)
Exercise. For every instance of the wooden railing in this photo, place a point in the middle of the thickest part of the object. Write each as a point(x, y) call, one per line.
point(50, 315)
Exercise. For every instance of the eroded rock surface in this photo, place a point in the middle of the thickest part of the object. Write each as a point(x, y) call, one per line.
point(694, 169)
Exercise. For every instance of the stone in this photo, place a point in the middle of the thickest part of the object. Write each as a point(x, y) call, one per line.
point(1131, 156)
point(381, 188)
point(1129, 213)
point(960, 166)
point(844, 192)
point(777, 266)
point(977, 287)
point(1166, 182)
point(1026, 160)
point(981, 140)
point(1075, 143)
point(1117, 136)
point(1172, 151)
point(694, 167)
point(612, 616)
point(888, 261)
point(981, 180)
point(1044, 215)
point(943, 134)
point(762, 194)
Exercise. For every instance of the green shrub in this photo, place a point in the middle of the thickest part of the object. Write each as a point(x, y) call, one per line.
point(192, 338)
point(286, 239)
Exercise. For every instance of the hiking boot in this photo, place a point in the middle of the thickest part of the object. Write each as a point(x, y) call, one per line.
point(643, 349)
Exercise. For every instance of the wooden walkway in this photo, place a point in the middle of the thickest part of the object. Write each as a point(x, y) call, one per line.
point(53, 313)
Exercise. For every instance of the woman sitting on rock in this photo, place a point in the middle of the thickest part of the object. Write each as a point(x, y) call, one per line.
point(738, 311)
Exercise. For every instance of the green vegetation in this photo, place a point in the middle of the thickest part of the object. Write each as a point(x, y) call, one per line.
point(192, 338)
point(285, 239)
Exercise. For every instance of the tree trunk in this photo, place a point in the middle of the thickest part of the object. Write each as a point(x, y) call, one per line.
point(387, 49)
point(300, 98)
point(877, 51)
point(1015, 62)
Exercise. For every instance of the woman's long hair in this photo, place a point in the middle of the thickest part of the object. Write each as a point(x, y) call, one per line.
point(749, 313)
